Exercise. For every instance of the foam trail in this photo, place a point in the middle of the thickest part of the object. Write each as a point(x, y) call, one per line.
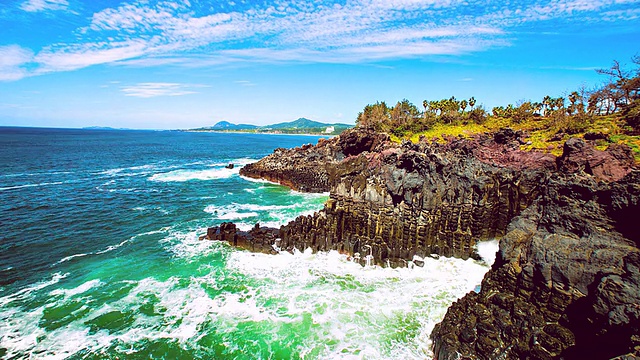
point(71, 257)
point(24, 293)
point(262, 181)
point(77, 290)
point(31, 185)
point(188, 175)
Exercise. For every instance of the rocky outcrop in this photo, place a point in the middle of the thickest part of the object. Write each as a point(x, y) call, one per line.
point(305, 168)
point(565, 283)
point(610, 165)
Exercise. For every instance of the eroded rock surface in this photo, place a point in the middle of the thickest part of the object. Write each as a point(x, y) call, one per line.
point(305, 168)
point(565, 283)
point(566, 280)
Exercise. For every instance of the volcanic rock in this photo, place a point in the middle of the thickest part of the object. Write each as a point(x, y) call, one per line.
point(566, 281)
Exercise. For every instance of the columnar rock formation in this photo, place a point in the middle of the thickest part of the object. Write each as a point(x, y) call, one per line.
point(566, 282)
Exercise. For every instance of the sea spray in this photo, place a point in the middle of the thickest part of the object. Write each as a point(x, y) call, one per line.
point(487, 250)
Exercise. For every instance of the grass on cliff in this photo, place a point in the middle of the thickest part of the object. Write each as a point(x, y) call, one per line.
point(542, 134)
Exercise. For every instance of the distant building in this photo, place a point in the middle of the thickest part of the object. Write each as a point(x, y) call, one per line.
point(330, 129)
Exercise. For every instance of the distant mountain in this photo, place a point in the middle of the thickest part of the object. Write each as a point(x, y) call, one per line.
point(301, 123)
point(225, 125)
point(299, 126)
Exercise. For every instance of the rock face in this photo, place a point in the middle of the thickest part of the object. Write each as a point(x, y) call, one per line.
point(566, 281)
point(305, 168)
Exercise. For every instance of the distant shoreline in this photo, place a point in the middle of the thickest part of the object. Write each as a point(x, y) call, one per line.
point(256, 133)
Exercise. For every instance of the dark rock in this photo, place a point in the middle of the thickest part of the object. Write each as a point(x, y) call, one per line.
point(305, 168)
point(230, 166)
point(565, 283)
point(596, 136)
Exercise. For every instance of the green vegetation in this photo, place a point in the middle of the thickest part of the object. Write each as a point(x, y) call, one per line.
point(611, 112)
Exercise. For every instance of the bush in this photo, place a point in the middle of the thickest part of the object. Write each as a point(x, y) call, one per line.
point(478, 115)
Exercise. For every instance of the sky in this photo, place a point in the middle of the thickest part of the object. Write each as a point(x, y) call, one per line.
point(151, 64)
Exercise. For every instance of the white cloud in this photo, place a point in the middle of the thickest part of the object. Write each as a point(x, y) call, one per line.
point(154, 89)
point(41, 5)
point(161, 32)
point(80, 56)
point(13, 58)
point(244, 83)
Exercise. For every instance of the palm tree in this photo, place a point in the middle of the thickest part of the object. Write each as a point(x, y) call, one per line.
point(546, 102)
point(472, 102)
point(425, 104)
point(463, 105)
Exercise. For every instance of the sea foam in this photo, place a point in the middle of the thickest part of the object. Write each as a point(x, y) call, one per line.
point(187, 175)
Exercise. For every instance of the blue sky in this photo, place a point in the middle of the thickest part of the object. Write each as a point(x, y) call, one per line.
point(182, 64)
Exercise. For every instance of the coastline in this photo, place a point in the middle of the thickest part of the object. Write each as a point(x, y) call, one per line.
point(402, 202)
point(255, 133)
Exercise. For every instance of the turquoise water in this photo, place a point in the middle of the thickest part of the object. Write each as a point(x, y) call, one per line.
point(100, 258)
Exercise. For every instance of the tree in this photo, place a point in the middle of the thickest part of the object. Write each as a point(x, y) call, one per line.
point(573, 100)
point(546, 102)
point(376, 116)
point(463, 105)
point(404, 114)
point(472, 102)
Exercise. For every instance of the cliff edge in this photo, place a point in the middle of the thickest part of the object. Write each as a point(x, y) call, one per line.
point(566, 281)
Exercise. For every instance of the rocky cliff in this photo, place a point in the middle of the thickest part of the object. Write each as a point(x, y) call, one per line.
point(566, 281)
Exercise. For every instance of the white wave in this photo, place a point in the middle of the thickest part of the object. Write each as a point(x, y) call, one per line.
point(256, 207)
point(31, 185)
point(487, 250)
point(187, 175)
point(349, 304)
point(112, 247)
point(27, 291)
point(47, 173)
point(262, 181)
point(355, 311)
point(77, 290)
point(186, 245)
point(71, 257)
point(131, 171)
point(156, 208)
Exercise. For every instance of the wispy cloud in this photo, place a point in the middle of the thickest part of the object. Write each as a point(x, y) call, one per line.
point(154, 89)
point(42, 5)
point(162, 32)
point(13, 59)
point(244, 83)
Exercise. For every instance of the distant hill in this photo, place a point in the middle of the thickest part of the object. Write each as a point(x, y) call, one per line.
point(225, 125)
point(299, 126)
point(301, 123)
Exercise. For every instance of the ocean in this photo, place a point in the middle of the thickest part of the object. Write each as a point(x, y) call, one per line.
point(100, 258)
